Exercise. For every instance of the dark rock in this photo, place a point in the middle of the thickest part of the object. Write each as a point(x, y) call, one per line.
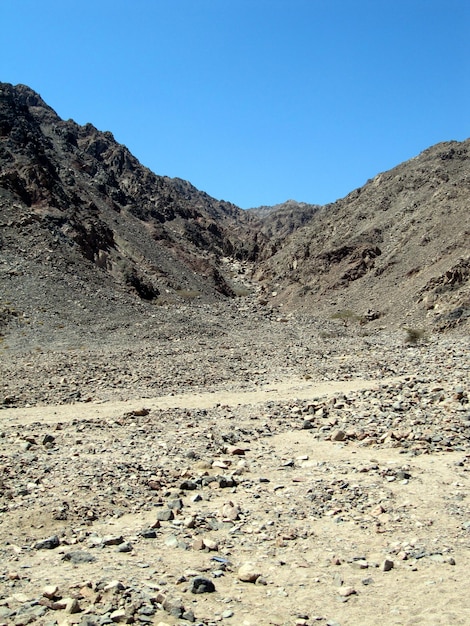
point(79, 556)
point(202, 585)
point(176, 504)
point(112, 540)
point(188, 485)
point(48, 544)
point(165, 515)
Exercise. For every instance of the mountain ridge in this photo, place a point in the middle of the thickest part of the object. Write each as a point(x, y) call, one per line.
point(81, 216)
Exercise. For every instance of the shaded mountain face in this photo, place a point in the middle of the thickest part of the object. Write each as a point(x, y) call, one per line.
point(85, 227)
point(72, 196)
point(277, 222)
point(399, 246)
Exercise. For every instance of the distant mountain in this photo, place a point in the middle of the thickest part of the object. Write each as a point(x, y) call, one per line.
point(399, 246)
point(279, 221)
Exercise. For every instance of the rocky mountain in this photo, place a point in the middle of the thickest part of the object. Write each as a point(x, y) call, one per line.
point(279, 221)
point(75, 205)
point(88, 232)
point(398, 247)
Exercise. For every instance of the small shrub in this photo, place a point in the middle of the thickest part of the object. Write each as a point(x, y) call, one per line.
point(188, 294)
point(241, 292)
point(414, 335)
point(346, 316)
point(331, 334)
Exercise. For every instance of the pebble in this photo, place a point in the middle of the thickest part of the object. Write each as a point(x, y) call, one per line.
point(338, 435)
point(50, 592)
point(79, 556)
point(345, 592)
point(165, 515)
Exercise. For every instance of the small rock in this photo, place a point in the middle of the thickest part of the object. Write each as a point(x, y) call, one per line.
point(114, 585)
point(112, 540)
point(198, 544)
point(51, 592)
point(387, 565)
point(230, 511)
point(338, 435)
point(48, 544)
point(188, 615)
point(188, 485)
point(360, 564)
point(211, 544)
point(176, 504)
point(248, 573)
point(125, 547)
point(72, 606)
point(236, 451)
point(79, 556)
point(119, 616)
point(189, 521)
point(202, 585)
point(165, 515)
point(345, 592)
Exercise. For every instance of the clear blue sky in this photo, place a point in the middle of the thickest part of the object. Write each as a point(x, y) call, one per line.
point(253, 101)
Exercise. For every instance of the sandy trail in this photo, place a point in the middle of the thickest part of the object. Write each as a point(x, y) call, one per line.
point(300, 389)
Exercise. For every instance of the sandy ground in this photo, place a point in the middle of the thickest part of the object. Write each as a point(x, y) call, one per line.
point(277, 392)
point(317, 518)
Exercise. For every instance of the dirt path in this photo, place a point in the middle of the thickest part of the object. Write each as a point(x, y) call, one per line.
point(300, 389)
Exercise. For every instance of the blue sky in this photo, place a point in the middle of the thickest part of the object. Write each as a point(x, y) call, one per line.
point(252, 101)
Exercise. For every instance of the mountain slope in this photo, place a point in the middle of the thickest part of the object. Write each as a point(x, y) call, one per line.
point(74, 195)
point(398, 246)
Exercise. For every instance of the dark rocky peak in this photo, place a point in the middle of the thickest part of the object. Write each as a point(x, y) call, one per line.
point(154, 234)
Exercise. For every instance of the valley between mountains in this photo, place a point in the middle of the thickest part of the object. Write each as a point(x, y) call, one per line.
point(211, 416)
